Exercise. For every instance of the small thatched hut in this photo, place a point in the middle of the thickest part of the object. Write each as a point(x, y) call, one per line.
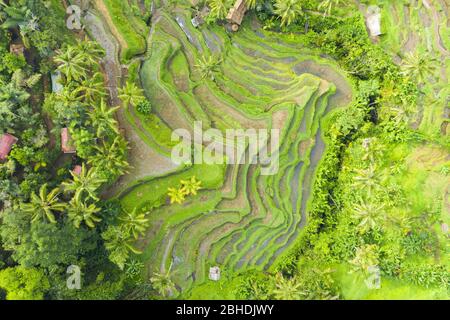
point(373, 21)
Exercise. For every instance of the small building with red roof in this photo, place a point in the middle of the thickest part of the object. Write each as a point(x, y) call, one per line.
point(77, 170)
point(6, 143)
point(66, 141)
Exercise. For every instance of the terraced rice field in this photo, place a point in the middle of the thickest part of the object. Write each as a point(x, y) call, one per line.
point(128, 29)
point(241, 219)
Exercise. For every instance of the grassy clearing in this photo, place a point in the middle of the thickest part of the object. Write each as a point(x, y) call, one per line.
point(228, 289)
point(153, 193)
point(354, 288)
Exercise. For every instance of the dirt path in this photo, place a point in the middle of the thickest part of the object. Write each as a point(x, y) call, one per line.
point(100, 5)
point(439, 42)
point(144, 160)
point(413, 39)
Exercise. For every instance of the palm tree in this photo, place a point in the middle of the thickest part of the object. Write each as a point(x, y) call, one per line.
point(327, 6)
point(258, 292)
point(288, 11)
point(78, 212)
point(87, 182)
point(119, 244)
point(134, 223)
point(252, 4)
point(133, 268)
point(90, 89)
point(111, 158)
point(90, 51)
point(367, 178)
point(163, 284)
point(402, 113)
point(286, 289)
point(44, 205)
point(419, 66)
point(219, 8)
point(208, 66)
point(68, 97)
point(131, 94)
point(191, 186)
point(102, 119)
point(366, 256)
point(177, 195)
point(71, 63)
point(369, 215)
point(402, 221)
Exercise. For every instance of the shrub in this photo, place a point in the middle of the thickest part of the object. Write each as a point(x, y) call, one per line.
point(144, 107)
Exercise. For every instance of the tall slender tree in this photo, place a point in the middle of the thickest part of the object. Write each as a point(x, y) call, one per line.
point(111, 159)
point(368, 215)
point(162, 282)
point(44, 205)
point(102, 119)
point(71, 63)
point(252, 4)
point(288, 11)
point(119, 244)
point(131, 94)
point(134, 223)
point(191, 186)
point(91, 89)
point(79, 212)
point(177, 195)
point(327, 6)
point(208, 66)
point(419, 66)
point(90, 51)
point(219, 9)
point(368, 178)
point(286, 289)
point(84, 184)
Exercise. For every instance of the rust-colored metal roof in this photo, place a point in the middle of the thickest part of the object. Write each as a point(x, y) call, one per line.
point(77, 170)
point(6, 143)
point(237, 12)
point(66, 141)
